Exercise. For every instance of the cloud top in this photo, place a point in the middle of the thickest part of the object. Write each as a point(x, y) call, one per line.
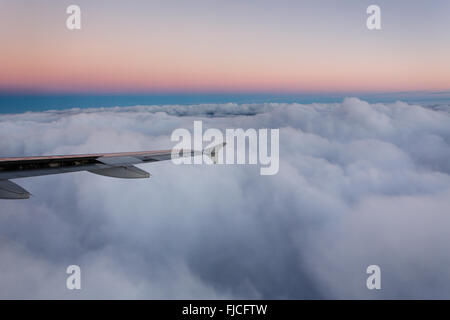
point(358, 184)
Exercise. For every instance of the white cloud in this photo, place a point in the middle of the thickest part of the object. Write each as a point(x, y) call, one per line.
point(358, 184)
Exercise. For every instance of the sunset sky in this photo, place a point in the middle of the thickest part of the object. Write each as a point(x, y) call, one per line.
point(227, 46)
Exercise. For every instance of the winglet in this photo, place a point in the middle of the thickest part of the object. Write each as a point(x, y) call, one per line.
point(213, 152)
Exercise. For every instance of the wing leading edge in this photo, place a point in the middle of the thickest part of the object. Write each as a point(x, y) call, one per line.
point(117, 165)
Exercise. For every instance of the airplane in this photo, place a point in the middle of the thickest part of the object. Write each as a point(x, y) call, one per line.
point(117, 165)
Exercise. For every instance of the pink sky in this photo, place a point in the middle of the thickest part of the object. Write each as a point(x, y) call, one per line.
point(199, 47)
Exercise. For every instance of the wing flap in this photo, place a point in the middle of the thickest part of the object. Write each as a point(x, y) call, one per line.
point(114, 161)
point(10, 190)
point(123, 172)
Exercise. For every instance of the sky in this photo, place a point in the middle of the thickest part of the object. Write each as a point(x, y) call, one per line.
point(224, 46)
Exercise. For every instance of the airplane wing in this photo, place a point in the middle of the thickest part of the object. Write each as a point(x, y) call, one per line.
point(117, 165)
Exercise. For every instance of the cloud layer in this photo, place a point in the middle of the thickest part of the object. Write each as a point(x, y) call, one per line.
point(358, 184)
